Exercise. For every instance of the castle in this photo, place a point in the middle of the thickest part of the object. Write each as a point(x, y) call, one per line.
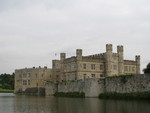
point(78, 67)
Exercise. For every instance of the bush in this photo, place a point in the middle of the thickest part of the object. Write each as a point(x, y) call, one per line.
point(70, 94)
point(135, 95)
point(147, 69)
point(123, 79)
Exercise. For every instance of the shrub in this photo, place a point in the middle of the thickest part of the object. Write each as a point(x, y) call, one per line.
point(135, 95)
point(70, 94)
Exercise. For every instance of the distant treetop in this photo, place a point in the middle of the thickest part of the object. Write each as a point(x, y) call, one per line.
point(147, 69)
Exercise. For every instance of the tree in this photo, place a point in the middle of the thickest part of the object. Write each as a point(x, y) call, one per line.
point(147, 69)
point(7, 81)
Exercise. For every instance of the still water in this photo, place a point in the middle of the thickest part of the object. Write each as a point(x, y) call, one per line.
point(10, 103)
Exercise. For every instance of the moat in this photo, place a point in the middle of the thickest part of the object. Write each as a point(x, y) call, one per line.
point(10, 103)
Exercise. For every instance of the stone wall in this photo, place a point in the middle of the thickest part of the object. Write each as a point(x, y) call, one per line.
point(94, 87)
point(128, 84)
point(35, 91)
point(91, 87)
point(50, 88)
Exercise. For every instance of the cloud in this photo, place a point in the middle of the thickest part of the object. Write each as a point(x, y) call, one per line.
point(32, 31)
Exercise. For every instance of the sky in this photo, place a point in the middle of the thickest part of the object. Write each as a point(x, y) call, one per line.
point(33, 32)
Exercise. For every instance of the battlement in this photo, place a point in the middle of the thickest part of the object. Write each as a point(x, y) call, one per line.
point(71, 59)
point(94, 58)
point(33, 69)
point(101, 55)
point(119, 48)
point(137, 57)
point(115, 54)
point(129, 62)
point(109, 47)
point(62, 56)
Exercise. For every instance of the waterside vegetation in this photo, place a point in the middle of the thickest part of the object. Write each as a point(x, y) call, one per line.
point(6, 83)
point(134, 95)
point(70, 94)
point(6, 90)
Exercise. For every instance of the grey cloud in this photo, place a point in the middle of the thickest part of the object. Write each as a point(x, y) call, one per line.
point(32, 31)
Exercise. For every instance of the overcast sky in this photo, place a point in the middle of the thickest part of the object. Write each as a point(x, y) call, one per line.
point(32, 31)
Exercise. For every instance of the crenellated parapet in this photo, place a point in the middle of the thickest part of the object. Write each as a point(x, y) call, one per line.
point(115, 54)
point(109, 47)
point(94, 58)
point(71, 59)
point(129, 62)
point(102, 55)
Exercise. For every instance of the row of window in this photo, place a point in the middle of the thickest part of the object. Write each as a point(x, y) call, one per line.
point(26, 82)
point(93, 75)
point(93, 66)
point(129, 68)
point(71, 66)
point(29, 75)
point(73, 77)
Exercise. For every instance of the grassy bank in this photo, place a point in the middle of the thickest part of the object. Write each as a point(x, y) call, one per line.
point(135, 95)
point(70, 94)
point(6, 90)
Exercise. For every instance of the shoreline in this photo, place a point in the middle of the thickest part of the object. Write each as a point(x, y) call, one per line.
point(6, 91)
point(128, 96)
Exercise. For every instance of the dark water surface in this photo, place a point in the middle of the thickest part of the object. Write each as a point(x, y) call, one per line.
point(10, 103)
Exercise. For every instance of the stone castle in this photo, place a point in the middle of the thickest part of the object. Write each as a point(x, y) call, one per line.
point(78, 67)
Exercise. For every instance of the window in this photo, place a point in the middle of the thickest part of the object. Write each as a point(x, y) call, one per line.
point(114, 67)
point(129, 68)
point(53, 65)
point(24, 75)
point(92, 66)
point(24, 82)
point(84, 66)
point(101, 67)
point(101, 75)
point(73, 66)
point(125, 68)
point(84, 76)
point(93, 75)
point(36, 74)
point(29, 75)
point(28, 82)
point(42, 75)
point(133, 69)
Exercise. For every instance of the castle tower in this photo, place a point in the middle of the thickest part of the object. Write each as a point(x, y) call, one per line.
point(79, 54)
point(108, 58)
point(120, 60)
point(62, 58)
point(79, 58)
point(137, 59)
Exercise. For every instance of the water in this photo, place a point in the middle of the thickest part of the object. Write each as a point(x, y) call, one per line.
point(10, 103)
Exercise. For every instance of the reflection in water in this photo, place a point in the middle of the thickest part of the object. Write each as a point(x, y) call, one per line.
point(10, 103)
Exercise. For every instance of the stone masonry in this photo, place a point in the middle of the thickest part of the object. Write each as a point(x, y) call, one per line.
point(94, 87)
point(78, 67)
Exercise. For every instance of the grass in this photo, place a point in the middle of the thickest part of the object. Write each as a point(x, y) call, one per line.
point(6, 90)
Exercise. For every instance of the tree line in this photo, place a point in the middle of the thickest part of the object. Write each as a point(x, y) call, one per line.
point(7, 81)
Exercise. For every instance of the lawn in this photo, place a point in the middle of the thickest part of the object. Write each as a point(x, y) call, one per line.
point(6, 90)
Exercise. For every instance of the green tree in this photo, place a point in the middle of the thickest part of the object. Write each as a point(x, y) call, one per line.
point(7, 81)
point(147, 69)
